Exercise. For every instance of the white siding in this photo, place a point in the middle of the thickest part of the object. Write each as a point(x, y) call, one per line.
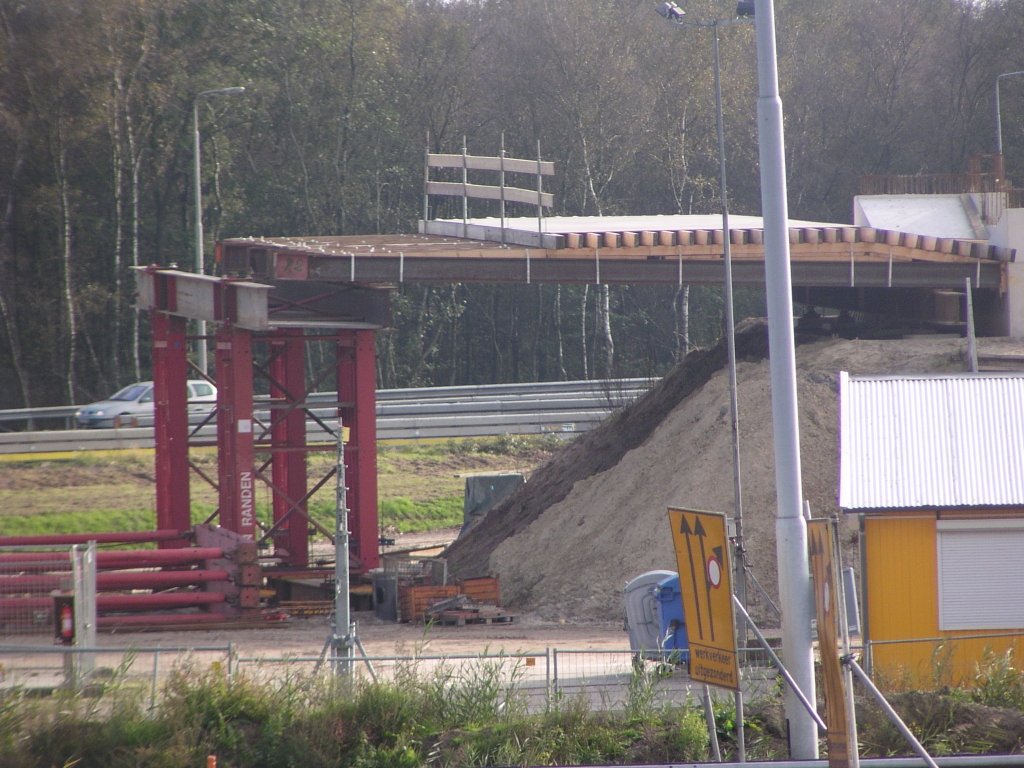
point(931, 441)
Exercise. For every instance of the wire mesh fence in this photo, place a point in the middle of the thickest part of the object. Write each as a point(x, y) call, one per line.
point(30, 577)
point(606, 678)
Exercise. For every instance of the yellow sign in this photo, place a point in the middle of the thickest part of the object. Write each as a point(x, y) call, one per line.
point(702, 553)
point(823, 570)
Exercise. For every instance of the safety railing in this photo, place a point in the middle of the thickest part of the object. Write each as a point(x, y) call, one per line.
point(607, 678)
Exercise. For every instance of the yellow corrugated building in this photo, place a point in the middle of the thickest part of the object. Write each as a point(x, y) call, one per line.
point(934, 466)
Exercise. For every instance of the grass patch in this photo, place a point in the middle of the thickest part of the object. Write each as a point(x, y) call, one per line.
point(449, 718)
point(406, 515)
point(411, 516)
point(420, 486)
point(78, 522)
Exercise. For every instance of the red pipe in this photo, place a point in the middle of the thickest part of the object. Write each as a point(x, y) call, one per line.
point(13, 607)
point(106, 582)
point(115, 560)
point(151, 558)
point(156, 579)
point(160, 620)
point(150, 602)
point(64, 539)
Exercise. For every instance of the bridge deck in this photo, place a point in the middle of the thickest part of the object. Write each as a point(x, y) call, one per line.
point(822, 256)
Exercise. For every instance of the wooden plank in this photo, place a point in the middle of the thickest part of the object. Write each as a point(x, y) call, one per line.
point(482, 163)
point(486, 192)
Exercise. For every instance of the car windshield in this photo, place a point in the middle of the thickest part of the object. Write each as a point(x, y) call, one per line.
point(131, 392)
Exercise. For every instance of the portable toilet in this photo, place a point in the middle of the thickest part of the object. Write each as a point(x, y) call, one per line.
point(670, 612)
point(654, 613)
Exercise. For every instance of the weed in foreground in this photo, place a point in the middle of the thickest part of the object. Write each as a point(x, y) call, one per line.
point(997, 682)
point(454, 716)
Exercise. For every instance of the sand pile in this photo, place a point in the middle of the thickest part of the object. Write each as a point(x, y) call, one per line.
point(595, 515)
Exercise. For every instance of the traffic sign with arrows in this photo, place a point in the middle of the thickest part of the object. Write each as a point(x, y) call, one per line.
point(702, 553)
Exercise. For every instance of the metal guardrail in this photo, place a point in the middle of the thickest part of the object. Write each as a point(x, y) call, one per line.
point(411, 414)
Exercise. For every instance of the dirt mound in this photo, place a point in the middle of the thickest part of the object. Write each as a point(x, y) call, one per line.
point(596, 451)
point(595, 515)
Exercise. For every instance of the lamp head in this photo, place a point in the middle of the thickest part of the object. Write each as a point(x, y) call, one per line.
point(233, 91)
point(671, 11)
point(744, 8)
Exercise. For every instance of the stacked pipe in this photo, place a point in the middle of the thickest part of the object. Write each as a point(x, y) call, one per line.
point(135, 582)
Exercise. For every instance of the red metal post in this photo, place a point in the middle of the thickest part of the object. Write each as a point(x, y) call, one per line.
point(288, 369)
point(357, 384)
point(170, 401)
point(234, 430)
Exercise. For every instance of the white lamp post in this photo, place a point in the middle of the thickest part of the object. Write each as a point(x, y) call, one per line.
point(795, 593)
point(200, 265)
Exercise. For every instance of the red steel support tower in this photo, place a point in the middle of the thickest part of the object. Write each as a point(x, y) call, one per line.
point(237, 481)
point(288, 434)
point(245, 314)
point(170, 401)
point(357, 381)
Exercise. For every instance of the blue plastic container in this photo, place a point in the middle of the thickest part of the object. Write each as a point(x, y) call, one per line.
point(673, 622)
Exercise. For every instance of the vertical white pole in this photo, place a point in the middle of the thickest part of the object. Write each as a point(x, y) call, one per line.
point(465, 193)
point(972, 342)
point(502, 183)
point(791, 529)
point(342, 633)
point(198, 192)
point(540, 200)
point(426, 180)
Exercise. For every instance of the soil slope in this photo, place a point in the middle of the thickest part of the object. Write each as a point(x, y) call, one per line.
point(595, 515)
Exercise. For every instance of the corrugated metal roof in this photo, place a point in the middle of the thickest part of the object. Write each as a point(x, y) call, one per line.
point(931, 441)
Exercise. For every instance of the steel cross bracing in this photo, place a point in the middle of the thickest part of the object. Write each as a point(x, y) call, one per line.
point(244, 330)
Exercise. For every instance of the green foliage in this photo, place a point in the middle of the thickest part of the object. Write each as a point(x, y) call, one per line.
point(455, 716)
point(997, 682)
point(505, 445)
point(78, 522)
point(408, 515)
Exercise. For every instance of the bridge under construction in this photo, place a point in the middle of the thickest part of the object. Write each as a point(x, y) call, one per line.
point(274, 295)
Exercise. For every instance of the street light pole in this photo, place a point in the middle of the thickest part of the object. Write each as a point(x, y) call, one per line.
point(675, 14)
point(198, 196)
point(790, 528)
point(740, 581)
point(999, 118)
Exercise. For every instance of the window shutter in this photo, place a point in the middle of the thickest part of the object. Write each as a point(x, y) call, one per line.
point(981, 574)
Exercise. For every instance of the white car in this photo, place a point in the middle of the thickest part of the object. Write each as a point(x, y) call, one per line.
point(133, 406)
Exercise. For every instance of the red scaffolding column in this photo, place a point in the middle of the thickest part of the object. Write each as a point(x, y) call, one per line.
point(170, 409)
point(234, 430)
point(357, 384)
point(287, 386)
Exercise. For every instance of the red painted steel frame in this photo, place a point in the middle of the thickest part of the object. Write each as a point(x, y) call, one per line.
point(288, 369)
point(357, 383)
point(170, 396)
point(234, 430)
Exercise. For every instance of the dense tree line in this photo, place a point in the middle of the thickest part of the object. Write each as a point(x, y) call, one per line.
point(95, 152)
